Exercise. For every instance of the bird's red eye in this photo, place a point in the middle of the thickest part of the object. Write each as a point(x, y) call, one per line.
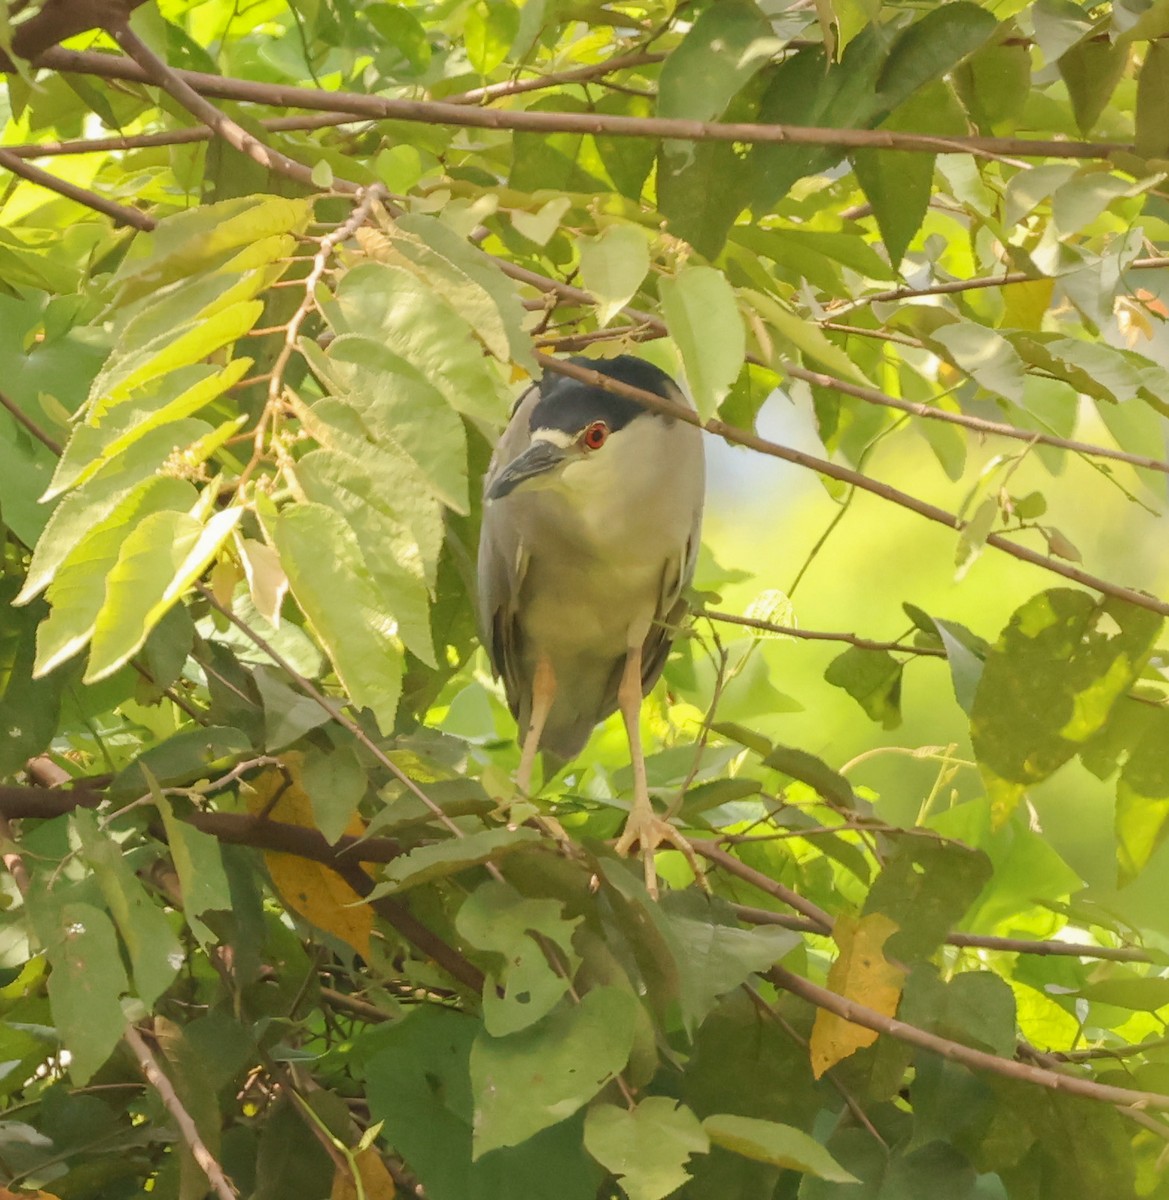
point(594, 436)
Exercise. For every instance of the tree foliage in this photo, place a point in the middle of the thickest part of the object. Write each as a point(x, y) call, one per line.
point(275, 918)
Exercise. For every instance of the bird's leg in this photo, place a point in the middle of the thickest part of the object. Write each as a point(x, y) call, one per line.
point(543, 694)
point(643, 827)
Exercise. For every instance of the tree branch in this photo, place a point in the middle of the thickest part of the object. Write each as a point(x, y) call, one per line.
point(931, 512)
point(189, 1132)
point(60, 19)
point(979, 1060)
point(437, 112)
point(121, 213)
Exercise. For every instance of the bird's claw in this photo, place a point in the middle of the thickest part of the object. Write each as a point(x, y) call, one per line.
point(647, 830)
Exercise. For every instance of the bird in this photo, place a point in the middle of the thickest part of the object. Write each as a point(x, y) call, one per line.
point(592, 519)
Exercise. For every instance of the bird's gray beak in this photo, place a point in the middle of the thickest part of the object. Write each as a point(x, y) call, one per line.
point(538, 459)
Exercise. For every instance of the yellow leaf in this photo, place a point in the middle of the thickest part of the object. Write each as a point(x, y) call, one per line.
point(311, 889)
point(375, 1178)
point(1026, 303)
point(861, 973)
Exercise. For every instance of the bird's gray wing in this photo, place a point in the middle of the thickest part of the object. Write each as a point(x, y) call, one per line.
point(671, 607)
point(502, 561)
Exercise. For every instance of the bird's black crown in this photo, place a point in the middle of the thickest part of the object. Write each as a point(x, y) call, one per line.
point(570, 405)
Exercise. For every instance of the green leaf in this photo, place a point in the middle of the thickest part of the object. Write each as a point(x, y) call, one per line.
point(530, 1080)
point(199, 863)
point(932, 47)
point(88, 507)
point(873, 679)
point(994, 85)
point(187, 242)
point(489, 28)
point(392, 306)
point(1050, 683)
point(158, 562)
point(173, 397)
point(1152, 113)
point(497, 918)
point(647, 1148)
point(401, 411)
point(190, 754)
point(288, 713)
point(335, 781)
point(450, 856)
point(985, 355)
point(78, 588)
point(399, 544)
point(926, 887)
point(86, 980)
point(29, 710)
point(155, 952)
point(539, 226)
point(813, 771)
point(713, 959)
point(975, 1008)
point(342, 604)
point(965, 650)
point(471, 281)
point(703, 319)
point(805, 336)
point(418, 1083)
point(783, 1145)
point(613, 266)
point(723, 49)
point(1091, 71)
point(1142, 797)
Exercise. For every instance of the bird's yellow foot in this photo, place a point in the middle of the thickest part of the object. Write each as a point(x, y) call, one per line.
point(646, 830)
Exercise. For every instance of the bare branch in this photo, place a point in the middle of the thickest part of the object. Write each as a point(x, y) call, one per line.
point(979, 1060)
point(121, 213)
point(437, 112)
point(222, 1186)
point(923, 508)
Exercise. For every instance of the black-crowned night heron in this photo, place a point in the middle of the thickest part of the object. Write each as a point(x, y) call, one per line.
point(591, 522)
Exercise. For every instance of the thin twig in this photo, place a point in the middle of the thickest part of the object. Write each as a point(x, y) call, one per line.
point(222, 1186)
point(979, 1060)
point(122, 214)
point(952, 286)
point(515, 87)
point(820, 635)
point(978, 424)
